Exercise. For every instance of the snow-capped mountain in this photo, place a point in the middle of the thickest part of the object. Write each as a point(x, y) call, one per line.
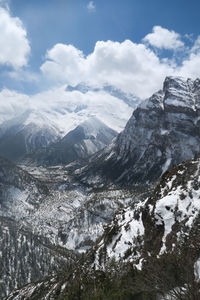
point(163, 131)
point(165, 221)
point(26, 133)
point(68, 107)
point(161, 231)
point(86, 139)
point(48, 117)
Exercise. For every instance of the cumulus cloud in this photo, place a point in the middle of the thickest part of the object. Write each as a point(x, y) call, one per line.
point(127, 65)
point(91, 6)
point(134, 68)
point(163, 38)
point(190, 67)
point(14, 45)
point(64, 63)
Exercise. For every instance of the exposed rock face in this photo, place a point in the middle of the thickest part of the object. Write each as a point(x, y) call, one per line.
point(163, 131)
point(86, 139)
point(160, 224)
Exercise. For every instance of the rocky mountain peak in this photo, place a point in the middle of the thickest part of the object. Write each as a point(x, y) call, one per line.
point(163, 131)
point(179, 94)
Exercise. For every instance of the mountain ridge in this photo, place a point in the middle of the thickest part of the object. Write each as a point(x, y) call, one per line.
point(87, 138)
point(163, 131)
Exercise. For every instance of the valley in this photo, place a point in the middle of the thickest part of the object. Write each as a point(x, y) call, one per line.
point(91, 209)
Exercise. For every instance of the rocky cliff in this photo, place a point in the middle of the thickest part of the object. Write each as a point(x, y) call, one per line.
point(163, 131)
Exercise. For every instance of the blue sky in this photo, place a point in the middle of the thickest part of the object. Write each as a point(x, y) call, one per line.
point(56, 24)
point(70, 22)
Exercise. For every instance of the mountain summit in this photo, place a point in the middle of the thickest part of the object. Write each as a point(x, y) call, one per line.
point(163, 131)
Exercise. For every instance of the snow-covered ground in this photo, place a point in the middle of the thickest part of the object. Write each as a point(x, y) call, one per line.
point(68, 215)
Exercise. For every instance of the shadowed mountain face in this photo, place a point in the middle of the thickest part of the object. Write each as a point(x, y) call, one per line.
point(46, 121)
point(26, 133)
point(34, 136)
point(163, 131)
point(86, 139)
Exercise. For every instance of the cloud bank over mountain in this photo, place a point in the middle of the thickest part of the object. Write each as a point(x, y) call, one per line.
point(132, 67)
point(137, 68)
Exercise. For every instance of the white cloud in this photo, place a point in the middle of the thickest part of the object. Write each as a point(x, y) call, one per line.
point(14, 45)
point(131, 67)
point(135, 68)
point(190, 67)
point(163, 38)
point(58, 105)
point(127, 65)
point(196, 47)
point(64, 63)
point(91, 6)
point(12, 103)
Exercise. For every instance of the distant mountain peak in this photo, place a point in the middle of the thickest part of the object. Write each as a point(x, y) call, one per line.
point(25, 133)
point(87, 138)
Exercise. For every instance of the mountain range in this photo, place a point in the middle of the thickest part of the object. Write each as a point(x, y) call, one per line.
point(42, 128)
point(115, 216)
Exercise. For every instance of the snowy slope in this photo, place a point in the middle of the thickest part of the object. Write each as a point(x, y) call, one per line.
point(56, 207)
point(163, 131)
point(24, 255)
point(86, 139)
point(26, 133)
point(68, 107)
point(159, 231)
point(162, 223)
point(45, 118)
point(43, 217)
point(69, 215)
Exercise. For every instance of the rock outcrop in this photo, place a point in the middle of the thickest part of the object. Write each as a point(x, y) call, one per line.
point(163, 131)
